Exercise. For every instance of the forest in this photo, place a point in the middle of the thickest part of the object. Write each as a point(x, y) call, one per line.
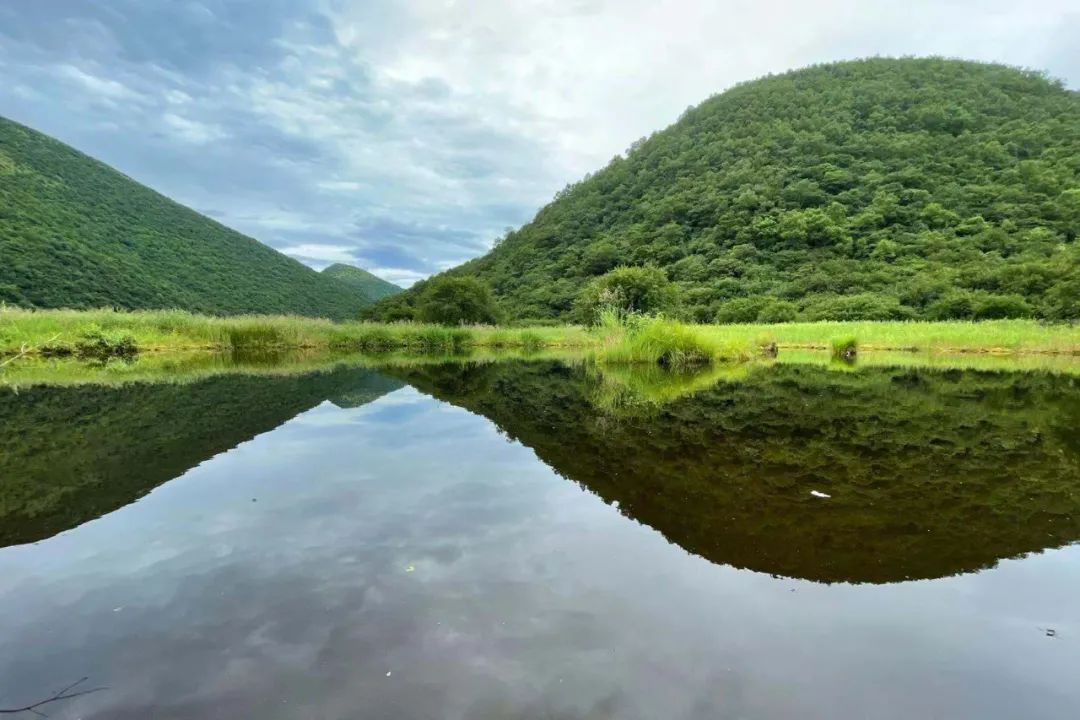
point(877, 189)
point(75, 233)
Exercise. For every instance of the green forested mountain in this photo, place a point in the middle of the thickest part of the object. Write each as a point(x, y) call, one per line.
point(370, 286)
point(76, 233)
point(874, 189)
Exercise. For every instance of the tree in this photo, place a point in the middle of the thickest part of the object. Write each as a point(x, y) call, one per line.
point(628, 289)
point(457, 301)
point(740, 310)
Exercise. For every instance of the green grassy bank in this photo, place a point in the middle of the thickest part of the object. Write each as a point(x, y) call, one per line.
point(988, 336)
point(67, 332)
point(97, 333)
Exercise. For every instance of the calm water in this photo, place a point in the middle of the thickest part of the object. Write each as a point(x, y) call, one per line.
point(532, 540)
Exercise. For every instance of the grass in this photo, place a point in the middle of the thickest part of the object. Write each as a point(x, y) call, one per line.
point(988, 336)
point(60, 332)
point(107, 334)
point(660, 341)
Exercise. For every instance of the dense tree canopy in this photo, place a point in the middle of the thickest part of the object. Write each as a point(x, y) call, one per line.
point(879, 188)
point(76, 233)
point(457, 301)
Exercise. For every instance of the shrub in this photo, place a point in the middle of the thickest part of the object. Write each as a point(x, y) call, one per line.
point(778, 311)
point(629, 290)
point(457, 301)
point(867, 306)
point(740, 310)
point(956, 305)
point(996, 307)
point(99, 346)
point(978, 305)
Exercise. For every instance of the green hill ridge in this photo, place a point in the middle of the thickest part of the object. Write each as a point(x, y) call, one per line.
point(370, 286)
point(76, 233)
point(869, 189)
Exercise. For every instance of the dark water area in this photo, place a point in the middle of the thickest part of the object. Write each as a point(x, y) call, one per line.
point(544, 540)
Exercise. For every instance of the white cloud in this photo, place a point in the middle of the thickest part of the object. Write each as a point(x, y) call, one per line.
point(401, 277)
point(584, 78)
point(321, 253)
point(192, 131)
point(103, 88)
point(346, 186)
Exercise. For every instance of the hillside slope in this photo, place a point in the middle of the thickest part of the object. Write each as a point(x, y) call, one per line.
point(879, 188)
point(370, 286)
point(76, 233)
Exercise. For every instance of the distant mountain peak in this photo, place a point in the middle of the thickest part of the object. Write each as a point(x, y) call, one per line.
point(370, 285)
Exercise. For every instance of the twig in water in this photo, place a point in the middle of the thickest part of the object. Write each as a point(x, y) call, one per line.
point(25, 350)
point(64, 694)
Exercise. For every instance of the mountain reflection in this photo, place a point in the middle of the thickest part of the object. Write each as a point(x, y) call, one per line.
point(72, 454)
point(927, 474)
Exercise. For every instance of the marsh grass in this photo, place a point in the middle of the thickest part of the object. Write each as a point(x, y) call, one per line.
point(617, 338)
point(657, 340)
point(173, 330)
point(989, 336)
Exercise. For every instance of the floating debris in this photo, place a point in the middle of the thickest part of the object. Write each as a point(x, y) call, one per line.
point(818, 494)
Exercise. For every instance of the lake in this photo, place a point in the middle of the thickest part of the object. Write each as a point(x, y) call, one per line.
point(544, 539)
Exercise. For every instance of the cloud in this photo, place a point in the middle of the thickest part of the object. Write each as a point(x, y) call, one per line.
point(349, 186)
point(322, 254)
point(192, 131)
point(399, 276)
point(102, 88)
point(406, 136)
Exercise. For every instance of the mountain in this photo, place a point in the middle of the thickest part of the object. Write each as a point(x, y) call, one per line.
point(878, 188)
point(370, 286)
point(76, 233)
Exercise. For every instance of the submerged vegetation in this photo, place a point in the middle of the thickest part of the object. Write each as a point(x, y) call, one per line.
point(845, 348)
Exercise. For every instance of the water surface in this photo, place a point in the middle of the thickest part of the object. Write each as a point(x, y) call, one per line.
point(543, 540)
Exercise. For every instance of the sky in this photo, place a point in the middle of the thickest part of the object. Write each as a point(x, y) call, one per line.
point(405, 137)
